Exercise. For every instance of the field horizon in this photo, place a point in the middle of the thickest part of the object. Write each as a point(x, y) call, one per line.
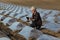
point(45, 4)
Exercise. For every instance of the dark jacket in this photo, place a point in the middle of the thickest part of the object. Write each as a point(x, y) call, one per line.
point(37, 17)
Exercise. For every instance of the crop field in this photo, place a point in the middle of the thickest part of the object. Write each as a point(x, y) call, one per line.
point(45, 4)
point(14, 18)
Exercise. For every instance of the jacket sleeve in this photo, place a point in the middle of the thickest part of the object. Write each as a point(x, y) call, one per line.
point(37, 17)
point(40, 20)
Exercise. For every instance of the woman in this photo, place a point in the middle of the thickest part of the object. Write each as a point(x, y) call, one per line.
point(36, 19)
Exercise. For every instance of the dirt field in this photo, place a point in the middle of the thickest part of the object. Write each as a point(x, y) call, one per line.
point(46, 4)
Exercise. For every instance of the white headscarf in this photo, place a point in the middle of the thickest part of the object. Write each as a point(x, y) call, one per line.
point(32, 8)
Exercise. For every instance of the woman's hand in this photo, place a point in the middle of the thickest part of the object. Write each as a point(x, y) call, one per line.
point(33, 19)
point(30, 19)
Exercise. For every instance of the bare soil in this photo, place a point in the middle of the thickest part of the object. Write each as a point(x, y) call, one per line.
point(2, 34)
